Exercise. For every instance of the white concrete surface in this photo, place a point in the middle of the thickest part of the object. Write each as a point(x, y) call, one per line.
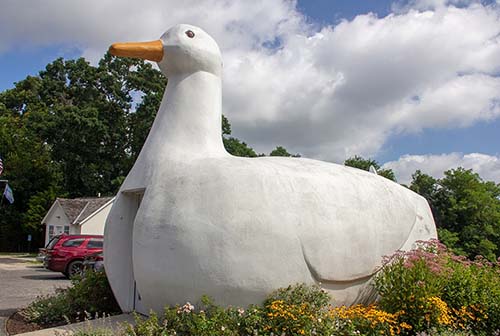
point(238, 228)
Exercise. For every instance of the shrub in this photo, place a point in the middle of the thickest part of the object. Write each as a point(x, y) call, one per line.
point(92, 294)
point(427, 292)
point(439, 290)
point(295, 310)
point(209, 319)
point(86, 298)
point(314, 296)
point(370, 320)
point(434, 332)
point(47, 310)
point(91, 332)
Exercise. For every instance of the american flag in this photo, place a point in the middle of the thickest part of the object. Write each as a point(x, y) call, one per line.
point(1, 166)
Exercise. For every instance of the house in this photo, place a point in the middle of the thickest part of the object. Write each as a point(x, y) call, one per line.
point(77, 216)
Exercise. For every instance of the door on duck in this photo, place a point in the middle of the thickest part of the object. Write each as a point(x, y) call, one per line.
point(119, 249)
point(138, 306)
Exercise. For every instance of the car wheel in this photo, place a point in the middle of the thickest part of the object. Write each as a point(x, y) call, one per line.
point(74, 268)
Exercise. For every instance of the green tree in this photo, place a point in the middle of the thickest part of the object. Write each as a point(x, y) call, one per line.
point(233, 145)
point(466, 210)
point(470, 208)
point(95, 119)
point(281, 151)
point(361, 163)
point(226, 126)
point(73, 130)
point(31, 175)
point(424, 185)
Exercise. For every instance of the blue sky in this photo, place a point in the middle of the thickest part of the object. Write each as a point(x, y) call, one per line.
point(359, 71)
point(483, 137)
point(326, 12)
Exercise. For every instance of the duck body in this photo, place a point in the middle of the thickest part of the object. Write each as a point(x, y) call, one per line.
point(236, 229)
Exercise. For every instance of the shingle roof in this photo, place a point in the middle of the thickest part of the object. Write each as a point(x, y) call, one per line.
point(78, 209)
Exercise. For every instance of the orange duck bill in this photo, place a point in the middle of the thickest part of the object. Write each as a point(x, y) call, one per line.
point(151, 51)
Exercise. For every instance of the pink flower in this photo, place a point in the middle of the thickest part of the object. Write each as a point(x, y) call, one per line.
point(187, 308)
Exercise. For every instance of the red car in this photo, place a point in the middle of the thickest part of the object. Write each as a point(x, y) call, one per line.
point(65, 253)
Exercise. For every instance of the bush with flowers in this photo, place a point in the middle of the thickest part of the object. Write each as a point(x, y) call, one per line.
point(428, 291)
point(295, 310)
point(371, 320)
point(439, 290)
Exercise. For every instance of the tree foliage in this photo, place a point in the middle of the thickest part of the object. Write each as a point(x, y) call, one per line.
point(281, 151)
point(361, 163)
point(238, 148)
point(31, 174)
point(466, 210)
point(73, 130)
point(233, 145)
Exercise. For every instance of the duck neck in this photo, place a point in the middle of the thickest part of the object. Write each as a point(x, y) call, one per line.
point(188, 123)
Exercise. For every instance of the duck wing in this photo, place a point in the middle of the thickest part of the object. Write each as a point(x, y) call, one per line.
point(352, 220)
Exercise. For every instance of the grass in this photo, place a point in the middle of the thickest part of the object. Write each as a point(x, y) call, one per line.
point(18, 254)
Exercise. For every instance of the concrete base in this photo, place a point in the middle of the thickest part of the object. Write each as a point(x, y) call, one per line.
point(112, 323)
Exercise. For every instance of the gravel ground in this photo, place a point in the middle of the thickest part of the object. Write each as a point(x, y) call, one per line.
point(21, 281)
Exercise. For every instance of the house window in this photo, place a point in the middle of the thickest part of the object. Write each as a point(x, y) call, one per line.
point(51, 231)
point(66, 229)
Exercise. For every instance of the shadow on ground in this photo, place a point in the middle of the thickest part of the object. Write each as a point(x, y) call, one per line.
point(11, 261)
point(7, 312)
point(49, 276)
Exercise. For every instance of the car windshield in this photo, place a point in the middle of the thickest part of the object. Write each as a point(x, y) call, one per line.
point(52, 242)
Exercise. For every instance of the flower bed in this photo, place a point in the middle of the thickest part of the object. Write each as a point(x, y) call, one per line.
point(426, 292)
point(439, 290)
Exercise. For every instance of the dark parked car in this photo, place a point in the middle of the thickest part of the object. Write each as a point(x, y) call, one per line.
point(66, 253)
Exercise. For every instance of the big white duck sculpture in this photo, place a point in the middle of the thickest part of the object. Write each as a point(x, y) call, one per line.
point(191, 219)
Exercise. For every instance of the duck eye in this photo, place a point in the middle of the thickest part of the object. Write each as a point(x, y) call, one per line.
point(190, 33)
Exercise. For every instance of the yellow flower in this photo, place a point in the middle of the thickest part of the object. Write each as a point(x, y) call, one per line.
point(443, 312)
point(405, 325)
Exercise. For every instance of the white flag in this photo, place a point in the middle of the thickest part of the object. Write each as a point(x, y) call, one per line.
point(8, 194)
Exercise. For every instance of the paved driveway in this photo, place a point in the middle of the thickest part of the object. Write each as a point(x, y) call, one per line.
point(22, 281)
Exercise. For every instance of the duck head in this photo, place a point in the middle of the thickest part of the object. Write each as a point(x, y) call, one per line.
point(182, 49)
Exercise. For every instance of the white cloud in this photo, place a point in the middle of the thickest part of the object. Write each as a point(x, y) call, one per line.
point(94, 25)
point(327, 92)
point(487, 166)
